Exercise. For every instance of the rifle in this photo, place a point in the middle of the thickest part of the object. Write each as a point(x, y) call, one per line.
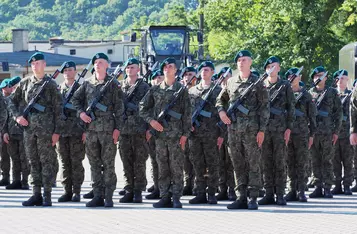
point(149, 72)
point(95, 102)
point(237, 104)
point(322, 96)
point(128, 105)
point(33, 102)
point(200, 109)
point(277, 92)
point(69, 94)
point(166, 113)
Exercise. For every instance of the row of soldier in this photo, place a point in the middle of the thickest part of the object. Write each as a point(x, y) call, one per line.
point(263, 133)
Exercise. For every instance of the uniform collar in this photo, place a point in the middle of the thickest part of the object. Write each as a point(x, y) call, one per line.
point(174, 86)
point(37, 81)
point(93, 79)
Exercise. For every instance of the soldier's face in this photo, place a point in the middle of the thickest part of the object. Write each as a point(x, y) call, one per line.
point(7, 90)
point(38, 66)
point(188, 76)
point(296, 81)
point(343, 82)
point(244, 63)
point(276, 69)
point(207, 73)
point(132, 70)
point(101, 65)
point(69, 73)
point(157, 80)
point(318, 75)
point(170, 70)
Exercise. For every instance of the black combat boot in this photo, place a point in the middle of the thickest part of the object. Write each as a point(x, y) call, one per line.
point(201, 198)
point(212, 199)
point(154, 195)
point(222, 195)
point(5, 181)
point(164, 202)
point(47, 199)
point(65, 197)
point(25, 185)
point(280, 200)
point(239, 204)
point(252, 204)
point(151, 189)
point(291, 196)
point(14, 185)
point(177, 203)
point(122, 192)
point(187, 190)
point(138, 198)
point(34, 200)
point(317, 193)
point(76, 197)
point(95, 202)
point(108, 202)
point(232, 194)
point(301, 196)
point(128, 198)
point(337, 189)
point(327, 193)
point(267, 200)
point(89, 195)
point(347, 190)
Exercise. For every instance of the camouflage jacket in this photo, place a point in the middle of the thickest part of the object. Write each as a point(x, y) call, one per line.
point(3, 112)
point(11, 127)
point(73, 126)
point(345, 127)
point(156, 100)
point(41, 123)
point(305, 115)
point(112, 99)
point(257, 102)
point(284, 103)
point(331, 105)
point(353, 112)
point(134, 123)
point(208, 127)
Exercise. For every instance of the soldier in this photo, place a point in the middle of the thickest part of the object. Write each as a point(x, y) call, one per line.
point(301, 139)
point(329, 118)
point(274, 153)
point(226, 172)
point(343, 149)
point(41, 129)
point(3, 112)
point(133, 147)
point(353, 130)
point(70, 147)
point(246, 135)
point(171, 140)
point(156, 78)
point(203, 156)
point(102, 130)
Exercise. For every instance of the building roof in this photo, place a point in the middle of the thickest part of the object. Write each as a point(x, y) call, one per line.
point(52, 59)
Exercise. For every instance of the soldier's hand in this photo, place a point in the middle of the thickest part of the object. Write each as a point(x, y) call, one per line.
point(22, 121)
point(353, 138)
point(260, 139)
point(55, 138)
point(183, 140)
point(311, 141)
point(219, 142)
point(224, 117)
point(85, 117)
point(84, 138)
point(156, 125)
point(148, 135)
point(116, 134)
point(334, 139)
point(287, 136)
point(6, 138)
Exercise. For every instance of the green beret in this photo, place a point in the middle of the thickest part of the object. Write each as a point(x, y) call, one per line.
point(167, 61)
point(214, 77)
point(155, 74)
point(69, 64)
point(317, 70)
point(189, 69)
point(99, 56)
point(270, 60)
point(131, 61)
point(291, 71)
point(5, 83)
point(337, 73)
point(224, 70)
point(206, 64)
point(14, 81)
point(242, 53)
point(36, 56)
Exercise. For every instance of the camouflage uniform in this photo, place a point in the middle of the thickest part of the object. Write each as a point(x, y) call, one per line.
point(154, 166)
point(99, 146)
point(298, 152)
point(169, 155)
point(3, 112)
point(133, 147)
point(38, 134)
point(70, 149)
point(274, 150)
point(242, 147)
point(4, 160)
point(188, 171)
point(322, 148)
point(353, 129)
point(204, 154)
point(226, 170)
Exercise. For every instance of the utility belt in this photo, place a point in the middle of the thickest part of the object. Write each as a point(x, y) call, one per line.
point(277, 111)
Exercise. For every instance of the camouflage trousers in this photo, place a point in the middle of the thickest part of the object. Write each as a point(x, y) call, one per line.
point(246, 156)
point(274, 154)
point(101, 150)
point(226, 171)
point(322, 155)
point(170, 158)
point(188, 171)
point(71, 153)
point(4, 161)
point(20, 163)
point(355, 161)
point(298, 154)
point(205, 161)
point(133, 151)
point(43, 160)
point(343, 157)
point(154, 166)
